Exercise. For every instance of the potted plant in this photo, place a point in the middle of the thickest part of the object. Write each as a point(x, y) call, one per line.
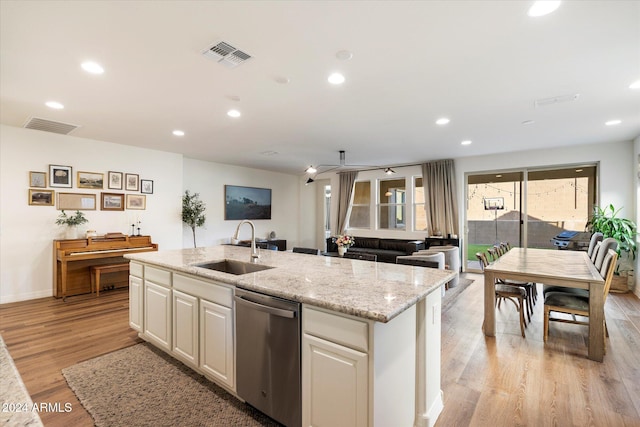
point(72, 222)
point(193, 212)
point(607, 222)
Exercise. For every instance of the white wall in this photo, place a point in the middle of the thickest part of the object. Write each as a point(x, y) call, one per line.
point(617, 163)
point(636, 179)
point(208, 179)
point(27, 232)
point(617, 177)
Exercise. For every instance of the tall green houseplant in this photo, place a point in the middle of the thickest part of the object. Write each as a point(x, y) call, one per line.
point(193, 212)
point(609, 224)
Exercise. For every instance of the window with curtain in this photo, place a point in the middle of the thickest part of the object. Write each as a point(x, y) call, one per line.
point(361, 206)
point(391, 206)
point(419, 214)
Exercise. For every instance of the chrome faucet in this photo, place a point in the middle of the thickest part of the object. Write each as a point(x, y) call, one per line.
point(254, 250)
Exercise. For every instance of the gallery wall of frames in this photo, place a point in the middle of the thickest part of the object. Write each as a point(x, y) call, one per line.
point(82, 190)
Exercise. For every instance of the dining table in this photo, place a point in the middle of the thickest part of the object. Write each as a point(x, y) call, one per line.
point(572, 269)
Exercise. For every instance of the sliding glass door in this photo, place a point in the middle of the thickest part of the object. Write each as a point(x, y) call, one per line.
point(528, 207)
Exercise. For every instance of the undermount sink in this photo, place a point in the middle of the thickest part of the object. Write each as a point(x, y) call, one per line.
point(233, 267)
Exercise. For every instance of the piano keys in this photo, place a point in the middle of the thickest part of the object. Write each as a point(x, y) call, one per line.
point(73, 258)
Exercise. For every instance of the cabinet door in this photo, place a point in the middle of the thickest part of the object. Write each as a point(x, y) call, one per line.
point(157, 314)
point(135, 303)
point(334, 384)
point(185, 327)
point(216, 342)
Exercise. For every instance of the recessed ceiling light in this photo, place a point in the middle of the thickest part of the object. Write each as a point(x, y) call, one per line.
point(233, 113)
point(499, 176)
point(578, 170)
point(442, 121)
point(178, 132)
point(344, 55)
point(613, 122)
point(527, 122)
point(467, 142)
point(635, 85)
point(92, 67)
point(336, 79)
point(543, 7)
point(55, 105)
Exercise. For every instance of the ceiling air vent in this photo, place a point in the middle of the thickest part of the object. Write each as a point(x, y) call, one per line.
point(50, 126)
point(226, 54)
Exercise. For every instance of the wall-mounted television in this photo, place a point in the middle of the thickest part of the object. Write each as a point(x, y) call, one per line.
point(246, 203)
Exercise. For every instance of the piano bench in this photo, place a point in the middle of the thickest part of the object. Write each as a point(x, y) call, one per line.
point(97, 270)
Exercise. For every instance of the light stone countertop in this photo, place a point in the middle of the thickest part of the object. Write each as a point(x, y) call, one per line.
point(372, 290)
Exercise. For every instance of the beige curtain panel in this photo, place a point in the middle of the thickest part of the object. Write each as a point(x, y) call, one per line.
point(441, 206)
point(347, 180)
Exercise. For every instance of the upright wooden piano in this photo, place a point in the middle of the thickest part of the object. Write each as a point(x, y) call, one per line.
point(73, 259)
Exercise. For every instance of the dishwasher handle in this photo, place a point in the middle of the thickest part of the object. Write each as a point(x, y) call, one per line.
point(265, 308)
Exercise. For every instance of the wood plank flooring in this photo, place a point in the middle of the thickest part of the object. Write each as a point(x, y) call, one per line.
point(46, 335)
point(500, 381)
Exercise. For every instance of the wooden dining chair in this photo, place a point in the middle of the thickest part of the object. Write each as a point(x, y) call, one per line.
point(595, 238)
point(530, 288)
point(597, 257)
point(515, 294)
point(578, 305)
point(493, 254)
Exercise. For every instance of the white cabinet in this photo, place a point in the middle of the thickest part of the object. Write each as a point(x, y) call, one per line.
point(185, 327)
point(216, 342)
point(335, 390)
point(335, 370)
point(135, 303)
point(213, 329)
point(136, 294)
point(157, 307)
point(357, 372)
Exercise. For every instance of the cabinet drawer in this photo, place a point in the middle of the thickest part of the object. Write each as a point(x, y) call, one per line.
point(218, 294)
point(160, 277)
point(135, 269)
point(335, 328)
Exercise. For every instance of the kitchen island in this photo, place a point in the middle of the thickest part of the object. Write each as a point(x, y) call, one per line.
point(370, 331)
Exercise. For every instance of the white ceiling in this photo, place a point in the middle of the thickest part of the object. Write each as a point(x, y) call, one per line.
point(480, 63)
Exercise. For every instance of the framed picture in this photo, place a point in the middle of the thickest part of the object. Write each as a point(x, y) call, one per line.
point(146, 186)
point(111, 202)
point(91, 180)
point(60, 176)
point(131, 182)
point(76, 201)
point(41, 197)
point(38, 179)
point(115, 180)
point(246, 203)
point(136, 201)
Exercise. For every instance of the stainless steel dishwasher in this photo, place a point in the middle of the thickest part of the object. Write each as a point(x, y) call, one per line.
point(268, 355)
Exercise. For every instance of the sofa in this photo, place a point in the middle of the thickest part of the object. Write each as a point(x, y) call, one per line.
point(385, 249)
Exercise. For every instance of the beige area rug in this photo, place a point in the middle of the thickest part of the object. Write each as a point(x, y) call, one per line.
point(142, 386)
point(17, 407)
point(452, 293)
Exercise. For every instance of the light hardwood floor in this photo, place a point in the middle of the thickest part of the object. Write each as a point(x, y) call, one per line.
point(501, 381)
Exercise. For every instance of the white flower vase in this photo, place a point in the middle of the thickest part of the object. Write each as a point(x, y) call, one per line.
point(342, 250)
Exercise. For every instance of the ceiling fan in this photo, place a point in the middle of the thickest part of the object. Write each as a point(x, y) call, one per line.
point(314, 170)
